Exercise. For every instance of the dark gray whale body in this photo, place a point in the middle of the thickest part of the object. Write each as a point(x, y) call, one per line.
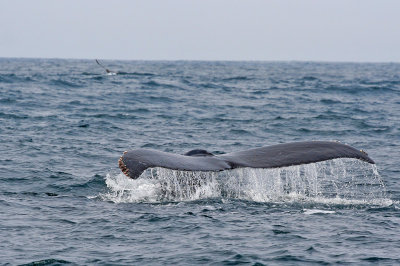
point(133, 163)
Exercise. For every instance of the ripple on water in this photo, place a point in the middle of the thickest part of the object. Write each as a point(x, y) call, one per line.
point(64, 124)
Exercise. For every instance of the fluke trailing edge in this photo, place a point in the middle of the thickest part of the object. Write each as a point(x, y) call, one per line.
point(133, 163)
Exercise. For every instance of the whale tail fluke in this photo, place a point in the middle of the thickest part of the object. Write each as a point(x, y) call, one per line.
point(133, 163)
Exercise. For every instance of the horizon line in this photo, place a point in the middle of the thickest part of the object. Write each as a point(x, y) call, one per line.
point(209, 60)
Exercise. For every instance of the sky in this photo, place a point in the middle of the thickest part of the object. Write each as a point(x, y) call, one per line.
point(266, 30)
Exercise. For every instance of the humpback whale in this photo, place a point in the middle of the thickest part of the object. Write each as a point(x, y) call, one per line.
point(133, 163)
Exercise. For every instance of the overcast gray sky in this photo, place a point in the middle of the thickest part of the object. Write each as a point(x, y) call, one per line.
point(317, 30)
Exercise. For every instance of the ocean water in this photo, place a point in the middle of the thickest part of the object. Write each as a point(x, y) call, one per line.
point(65, 123)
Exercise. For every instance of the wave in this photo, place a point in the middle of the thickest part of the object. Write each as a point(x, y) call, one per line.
point(335, 182)
point(357, 89)
point(236, 78)
point(47, 262)
point(135, 73)
point(330, 101)
point(161, 99)
point(64, 83)
point(309, 78)
point(155, 84)
point(12, 78)
point(113, 116)
point(380, 82)
point(13, 116)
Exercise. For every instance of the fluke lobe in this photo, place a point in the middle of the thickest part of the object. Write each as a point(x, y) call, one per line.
point(134, 162)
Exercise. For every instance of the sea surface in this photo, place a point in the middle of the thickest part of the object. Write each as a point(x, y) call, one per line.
point(65, 123)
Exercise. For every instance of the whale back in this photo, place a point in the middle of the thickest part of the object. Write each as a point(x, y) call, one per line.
point(198, 152)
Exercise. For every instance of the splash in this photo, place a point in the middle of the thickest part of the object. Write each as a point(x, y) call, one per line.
point(316, 211)
point(123, 189)
point(339, 181)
